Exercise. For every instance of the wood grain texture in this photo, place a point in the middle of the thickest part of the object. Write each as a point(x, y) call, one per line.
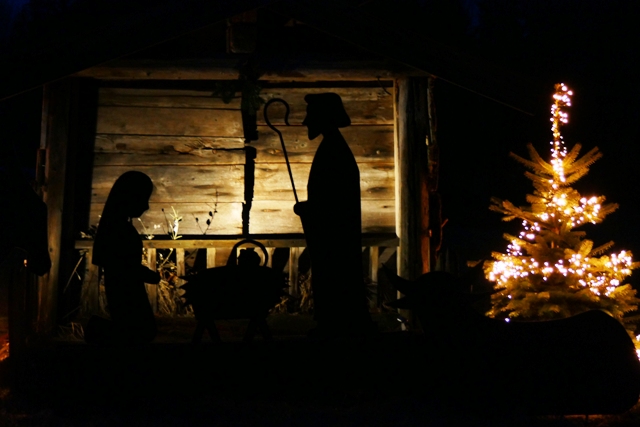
point(365, 106)
point(191, 146)
point(165, 98)
point(169, 121)
point(368, 144)
point(178, 183)
point(173, 184)
point(226, 221)
point(378, 216)
point(154, 144)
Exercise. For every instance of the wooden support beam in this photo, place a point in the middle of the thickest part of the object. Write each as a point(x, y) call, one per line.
point(211, 257)
point(270, 252)
point(294, 255)
point(228, 241)
point(412, 196)
point(374, 252)
point(226, 69)
point(57, 103)
point(152, 290)
point(90, 293)
point(180, 261)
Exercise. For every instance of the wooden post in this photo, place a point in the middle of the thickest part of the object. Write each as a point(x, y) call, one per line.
point(57, 105)
point(152, 290)
point(180, 261)
point(211, 257)
point(270, 251)
point(412, 195)
point(294, 255)
point(374, 265)
point(90, 294)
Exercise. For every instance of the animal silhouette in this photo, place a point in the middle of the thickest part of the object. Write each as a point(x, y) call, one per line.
point(584, 364)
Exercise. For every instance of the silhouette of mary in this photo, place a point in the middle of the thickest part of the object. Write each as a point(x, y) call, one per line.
point(118, 250)
point(331, 219)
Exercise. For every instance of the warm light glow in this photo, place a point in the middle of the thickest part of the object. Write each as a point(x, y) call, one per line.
point(548, 263)
point(4, 347)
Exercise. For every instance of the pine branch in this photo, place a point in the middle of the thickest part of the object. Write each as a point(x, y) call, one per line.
point(531, 165)
point(601, 249)
point(572, 155)
point(585, 161)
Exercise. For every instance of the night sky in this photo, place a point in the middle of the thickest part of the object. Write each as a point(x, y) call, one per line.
point(590, 45)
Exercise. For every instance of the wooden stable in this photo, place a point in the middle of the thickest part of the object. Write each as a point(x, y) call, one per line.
point(192, 146)
point(159, 110)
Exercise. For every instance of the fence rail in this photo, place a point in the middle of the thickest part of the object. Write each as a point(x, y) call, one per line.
point(294, 242)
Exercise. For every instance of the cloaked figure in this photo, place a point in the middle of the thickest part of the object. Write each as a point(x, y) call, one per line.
point(331, 219)
point(118, 250)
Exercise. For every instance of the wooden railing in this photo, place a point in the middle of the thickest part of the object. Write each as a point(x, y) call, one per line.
point(295, 242)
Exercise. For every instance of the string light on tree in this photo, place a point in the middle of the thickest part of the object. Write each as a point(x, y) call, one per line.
point(550, 270)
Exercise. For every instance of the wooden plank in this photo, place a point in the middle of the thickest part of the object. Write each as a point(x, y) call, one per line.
point(152, 290)
point(195, 158)
point(365, 106)
point(181, 184)
point(169, 121)
point(224, 243)
point(176, 184)
point(58, 98)
point(294, 256)
point(272, 216)
point(227, 220)
point(374, 266)
point(134, 97)
point(368, 144)
point(153, 144)
point(270, 252)
point(413, 200)
point(211, 257)
point(273, 183)
point(89, 294)
point(217, 69)
point(180, 270)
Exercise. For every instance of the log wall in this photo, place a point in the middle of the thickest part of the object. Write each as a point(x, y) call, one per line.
point(191, 145)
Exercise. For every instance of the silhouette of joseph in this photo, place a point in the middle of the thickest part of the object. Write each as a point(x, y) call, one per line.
point(331, 218)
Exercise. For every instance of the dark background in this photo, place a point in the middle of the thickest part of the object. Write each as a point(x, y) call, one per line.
point(590, 45)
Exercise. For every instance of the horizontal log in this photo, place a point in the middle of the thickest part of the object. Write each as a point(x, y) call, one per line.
point(179, 98)
point(227, 220)
point(228, 241)
point(371, 106)
point(165, 98)
point(152, 144)
point(194, 158)
point(273, 182)
point(226, 69)
point(378, 216)
point(169, 121)
point(368, 144)
point(175, 184)
point(266, 217)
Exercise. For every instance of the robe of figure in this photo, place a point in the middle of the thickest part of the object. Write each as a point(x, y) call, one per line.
point(118, 250)
point(332, 225)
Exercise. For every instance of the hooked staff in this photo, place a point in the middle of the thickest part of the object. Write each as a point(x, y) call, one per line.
point(284, 150)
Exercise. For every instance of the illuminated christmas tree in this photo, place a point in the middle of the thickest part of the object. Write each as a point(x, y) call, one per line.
point(550, 270)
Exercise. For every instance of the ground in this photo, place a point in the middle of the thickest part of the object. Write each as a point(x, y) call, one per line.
point(292, 381)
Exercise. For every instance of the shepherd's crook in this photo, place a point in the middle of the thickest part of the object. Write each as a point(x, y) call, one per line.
point(284, 150)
